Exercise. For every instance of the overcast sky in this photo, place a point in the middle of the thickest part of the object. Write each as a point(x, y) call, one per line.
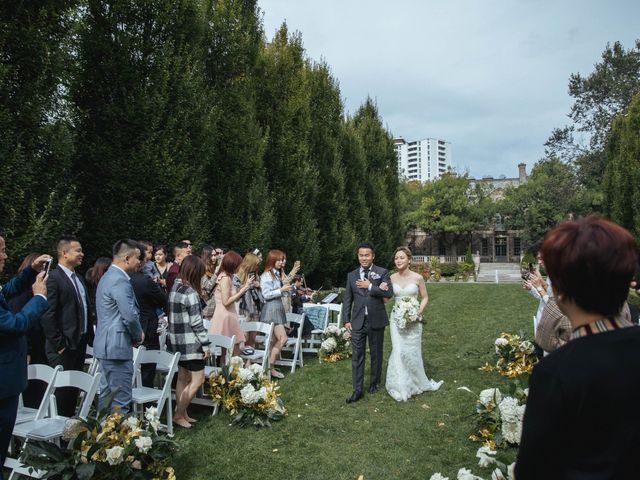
point(488, 76)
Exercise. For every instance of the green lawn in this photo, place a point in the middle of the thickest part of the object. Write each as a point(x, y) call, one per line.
point(324, 438)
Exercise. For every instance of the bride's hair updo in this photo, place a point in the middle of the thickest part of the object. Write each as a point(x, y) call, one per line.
point(404, 250)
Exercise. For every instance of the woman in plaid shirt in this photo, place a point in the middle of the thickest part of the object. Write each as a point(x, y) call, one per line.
point(187, 335)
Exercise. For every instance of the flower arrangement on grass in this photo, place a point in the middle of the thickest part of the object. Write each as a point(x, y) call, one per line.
point(499, 417)
point(248, 395)
point(107, 447)
point(516, 356)
point(405, 311)
point(336, 344)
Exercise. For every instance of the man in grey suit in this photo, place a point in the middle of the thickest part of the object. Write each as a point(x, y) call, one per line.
point(118, 327)
point(367, 287)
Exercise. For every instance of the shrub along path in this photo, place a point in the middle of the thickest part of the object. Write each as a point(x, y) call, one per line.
point(378, 438)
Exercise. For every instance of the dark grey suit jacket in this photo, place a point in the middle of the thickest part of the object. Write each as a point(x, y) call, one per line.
point(356, 299)
point(62, 322)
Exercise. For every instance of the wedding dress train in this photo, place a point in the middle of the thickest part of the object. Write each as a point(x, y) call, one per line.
point(405, 373)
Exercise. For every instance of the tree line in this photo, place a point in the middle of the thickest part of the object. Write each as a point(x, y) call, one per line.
point(175, 119)
point(591, 165)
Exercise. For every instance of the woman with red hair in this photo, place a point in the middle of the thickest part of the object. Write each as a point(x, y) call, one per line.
point(582, 418)
point(225, 317)
point(273, 289)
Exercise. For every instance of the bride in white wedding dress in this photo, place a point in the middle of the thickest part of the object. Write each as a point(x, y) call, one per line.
point(405, 373)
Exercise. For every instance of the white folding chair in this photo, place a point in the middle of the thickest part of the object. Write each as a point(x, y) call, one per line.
point(259, 356)
point(218, 342)
point(140, 394)
point(48, 425)
point(42, 373)
point(335, 311)
point(318, 315)
point(294, 344)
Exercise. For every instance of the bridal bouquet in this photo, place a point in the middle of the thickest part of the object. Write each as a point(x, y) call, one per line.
point(336, 344)
point(247, 394)
point(405, 311)
point(110, 446)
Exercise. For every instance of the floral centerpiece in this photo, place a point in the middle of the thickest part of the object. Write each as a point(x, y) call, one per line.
point(336, 344)
point(499, 417)
point(405, 311)
point(247, 394)
point(516, 356)
point(107, 447)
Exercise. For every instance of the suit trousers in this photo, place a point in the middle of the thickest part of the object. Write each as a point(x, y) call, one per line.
point(67, 397)
point(8, 412)
point(116, 380)
point(359, 348)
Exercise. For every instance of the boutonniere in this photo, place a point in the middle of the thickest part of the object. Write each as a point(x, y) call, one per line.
point(374, 276)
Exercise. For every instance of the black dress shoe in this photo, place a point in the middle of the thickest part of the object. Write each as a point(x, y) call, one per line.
point(373, 388)
point(355, 397)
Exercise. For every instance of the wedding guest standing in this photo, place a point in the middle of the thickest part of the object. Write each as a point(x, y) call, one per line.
point(582, 418)
point(252, 301)
point(187, 335)
point(273, 311)
point(180, 251)
point(209, 280)
point(93, 276)
point(225, 319)
point(162, 265)
point(13, 344)
point(66, 323)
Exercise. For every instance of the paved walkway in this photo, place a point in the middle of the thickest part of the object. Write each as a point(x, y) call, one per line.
point(499, 273)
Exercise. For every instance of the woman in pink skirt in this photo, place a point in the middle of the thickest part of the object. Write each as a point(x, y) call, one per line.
point(225, 318)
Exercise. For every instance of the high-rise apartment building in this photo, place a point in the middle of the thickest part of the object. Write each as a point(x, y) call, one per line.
point(422, 160)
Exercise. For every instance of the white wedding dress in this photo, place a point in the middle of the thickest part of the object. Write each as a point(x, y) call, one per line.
point(405, 372)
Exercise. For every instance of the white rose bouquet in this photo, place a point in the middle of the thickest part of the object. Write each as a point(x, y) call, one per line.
point(405, 311)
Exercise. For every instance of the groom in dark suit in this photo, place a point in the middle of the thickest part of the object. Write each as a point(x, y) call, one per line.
point(365, 317)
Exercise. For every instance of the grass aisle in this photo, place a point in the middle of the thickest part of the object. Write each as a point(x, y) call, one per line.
point(324, 438)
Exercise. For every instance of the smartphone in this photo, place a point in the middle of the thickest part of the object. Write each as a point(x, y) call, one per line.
point(525, 275)
point(46, 268)
point(531, 269)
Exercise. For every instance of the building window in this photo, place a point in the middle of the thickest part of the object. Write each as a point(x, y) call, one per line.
point(517, 249)
point(484, 247)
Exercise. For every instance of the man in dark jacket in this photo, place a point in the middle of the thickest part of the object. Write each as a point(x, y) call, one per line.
point(13, 343)
point(150, 298)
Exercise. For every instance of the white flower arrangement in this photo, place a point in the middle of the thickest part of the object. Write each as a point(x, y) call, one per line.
point(336, 344)
point(486, 456)
point(114, 455)
point(236, 362)
point(143, 444)
point(490, 397)
point(464, 474)
point(245, 375)
point(511, 414)
point(405, 311)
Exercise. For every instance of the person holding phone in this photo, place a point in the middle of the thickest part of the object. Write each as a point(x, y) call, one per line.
point(13, 342)
point(225, 319)
point(251, 303)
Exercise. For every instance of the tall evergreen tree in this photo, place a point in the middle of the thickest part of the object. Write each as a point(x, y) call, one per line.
point(37, 182)
point(283, 111)
point(622, 176)
point(382, 194)
point(240, 205)
point(144, 121)
point(336, 234)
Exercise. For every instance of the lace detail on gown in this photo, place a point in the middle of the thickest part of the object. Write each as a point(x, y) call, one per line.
point(405, 373)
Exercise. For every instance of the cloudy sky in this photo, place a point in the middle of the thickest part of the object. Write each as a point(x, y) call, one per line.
point(488, 76)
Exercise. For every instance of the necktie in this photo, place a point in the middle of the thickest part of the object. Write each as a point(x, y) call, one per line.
point(83, 316)
point(365, 273)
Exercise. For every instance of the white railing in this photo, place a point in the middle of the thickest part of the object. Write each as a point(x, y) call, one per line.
point(441, 258)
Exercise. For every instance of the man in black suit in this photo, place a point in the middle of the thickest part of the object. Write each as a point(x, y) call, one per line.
point(150, 298)
point(368, 319)
point(66, 322)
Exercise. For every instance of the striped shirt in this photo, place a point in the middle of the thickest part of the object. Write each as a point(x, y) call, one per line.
point(186, 333)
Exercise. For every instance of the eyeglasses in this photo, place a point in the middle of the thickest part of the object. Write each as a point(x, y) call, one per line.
point(219, 252)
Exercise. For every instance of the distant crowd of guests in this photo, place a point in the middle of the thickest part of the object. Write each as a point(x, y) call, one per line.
point(128, 299)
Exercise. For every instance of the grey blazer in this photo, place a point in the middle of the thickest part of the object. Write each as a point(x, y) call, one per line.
point(118, 317)
point(356, 299)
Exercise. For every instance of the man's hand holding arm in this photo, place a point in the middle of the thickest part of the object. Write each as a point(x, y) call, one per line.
point(125, 298)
